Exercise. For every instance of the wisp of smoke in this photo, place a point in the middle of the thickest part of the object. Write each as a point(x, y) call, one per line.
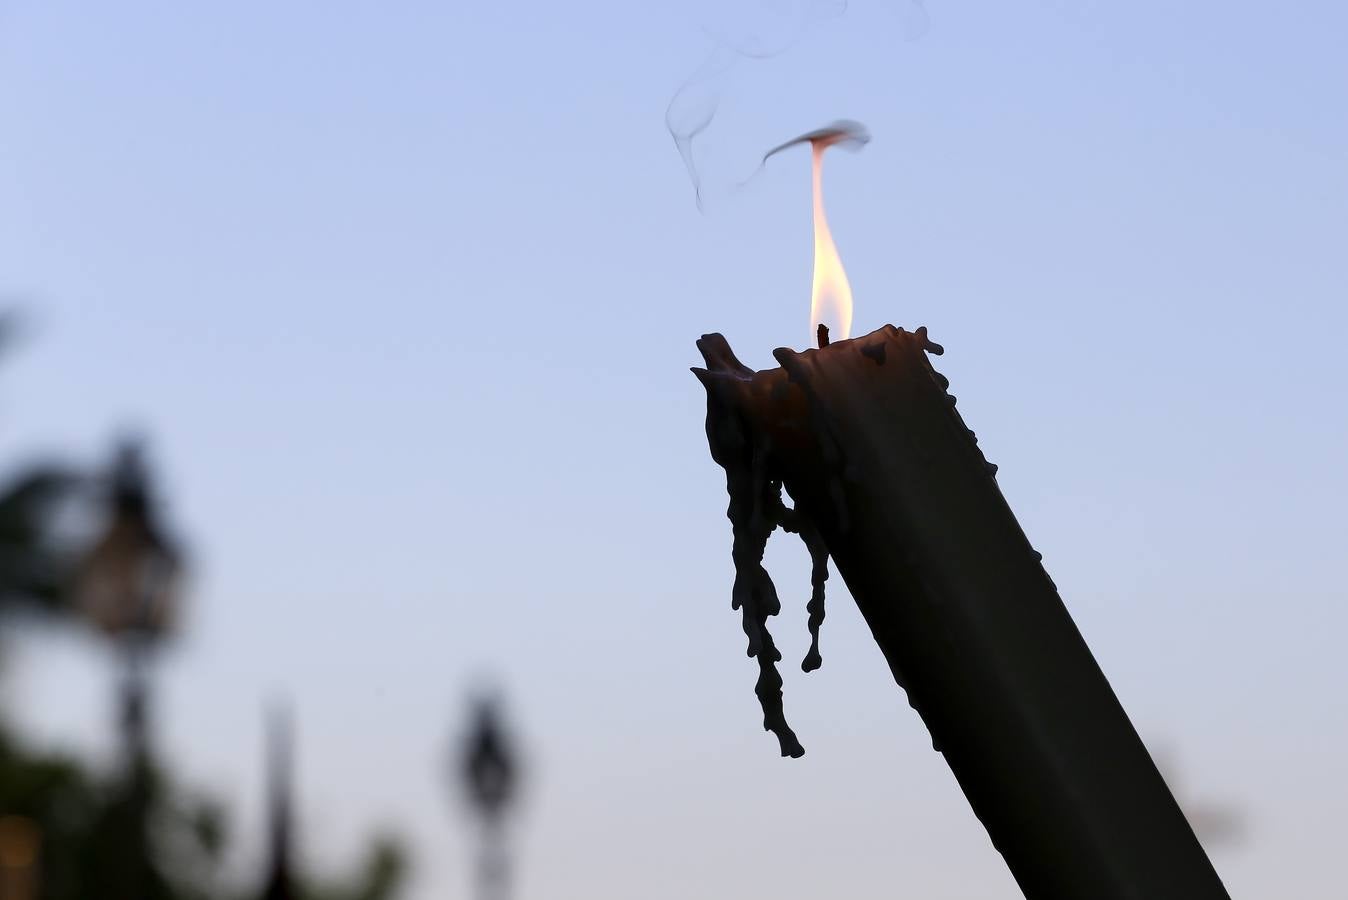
point(693, 107)
point(770, 30)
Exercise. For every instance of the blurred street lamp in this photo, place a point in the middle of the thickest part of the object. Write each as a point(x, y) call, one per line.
point(129, 583)
point(128, 587)
point(489, 772)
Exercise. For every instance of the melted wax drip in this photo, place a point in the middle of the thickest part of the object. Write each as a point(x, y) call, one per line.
point(756, 510)
point(754, 500)
point(796, 523)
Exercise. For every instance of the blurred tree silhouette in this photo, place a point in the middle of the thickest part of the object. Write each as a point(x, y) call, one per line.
point(64, 824)
point(30, 564)
point(381, 873)
point(31, 567)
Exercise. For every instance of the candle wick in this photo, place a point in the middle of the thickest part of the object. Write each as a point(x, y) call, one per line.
point(822, 335)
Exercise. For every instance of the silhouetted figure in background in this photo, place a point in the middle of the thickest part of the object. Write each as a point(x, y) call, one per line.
point(490, 774)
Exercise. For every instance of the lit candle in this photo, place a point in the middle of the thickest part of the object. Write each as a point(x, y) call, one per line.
point(889, 482)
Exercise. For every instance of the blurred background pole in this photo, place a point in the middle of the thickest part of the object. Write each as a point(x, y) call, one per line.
point(280, 883)
point(135, 702)
point(489, 771)
point(128, 587)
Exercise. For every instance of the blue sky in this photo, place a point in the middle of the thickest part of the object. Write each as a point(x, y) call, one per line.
point(406, 295)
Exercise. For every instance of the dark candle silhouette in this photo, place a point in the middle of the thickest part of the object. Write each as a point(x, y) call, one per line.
point(889, 482)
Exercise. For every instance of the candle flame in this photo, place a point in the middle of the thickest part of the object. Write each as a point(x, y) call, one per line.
point(831, 295)
point(830, 292)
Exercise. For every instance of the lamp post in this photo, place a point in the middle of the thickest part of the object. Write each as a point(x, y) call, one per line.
point(489, 772)
point(280, 883)
point(128, 587)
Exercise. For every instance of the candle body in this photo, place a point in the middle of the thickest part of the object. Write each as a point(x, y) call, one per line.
point(866, 440)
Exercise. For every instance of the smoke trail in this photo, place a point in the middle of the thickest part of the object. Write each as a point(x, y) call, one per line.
point(768, 29)
point(693, 107)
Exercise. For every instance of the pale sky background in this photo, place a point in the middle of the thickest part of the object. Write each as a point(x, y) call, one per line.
point(406, 293)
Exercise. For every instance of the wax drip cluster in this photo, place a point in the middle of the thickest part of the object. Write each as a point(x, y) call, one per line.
point(754, 467)
point(756, 510)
